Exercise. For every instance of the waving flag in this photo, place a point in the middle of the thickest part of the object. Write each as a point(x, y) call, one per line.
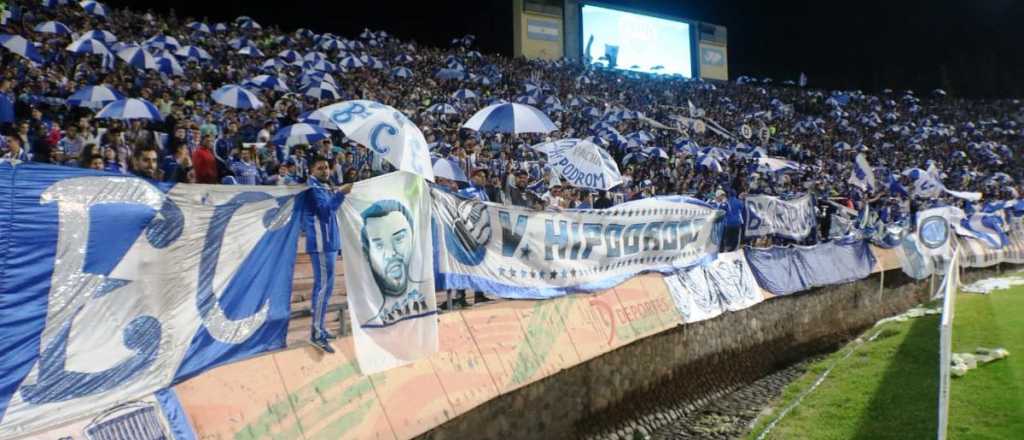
point(989, 228)
point(863, 176)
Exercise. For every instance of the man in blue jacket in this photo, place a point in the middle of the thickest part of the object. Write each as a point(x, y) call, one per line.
point(322, 243)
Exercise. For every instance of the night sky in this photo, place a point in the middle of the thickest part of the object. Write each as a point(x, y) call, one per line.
point(968, 47)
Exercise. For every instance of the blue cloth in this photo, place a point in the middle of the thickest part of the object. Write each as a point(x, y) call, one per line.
point(734, 211)
point(786, 270)
point(321, 219)
point(323, 288)
point(474, 192)
point(6, 109)
point(247, 173)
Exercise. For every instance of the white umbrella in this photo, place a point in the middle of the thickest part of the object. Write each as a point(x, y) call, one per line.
point(582, 163)
point(384, 130)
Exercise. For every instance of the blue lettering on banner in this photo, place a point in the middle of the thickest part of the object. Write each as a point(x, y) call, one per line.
point(613, 236)
point(553, 239)
point(345, 115)
point(510, 238)
point(375, 143)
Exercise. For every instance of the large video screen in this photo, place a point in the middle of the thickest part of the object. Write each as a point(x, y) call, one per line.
point(641, 43)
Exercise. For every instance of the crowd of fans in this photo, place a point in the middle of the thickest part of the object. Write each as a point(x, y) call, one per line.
point(669, 134)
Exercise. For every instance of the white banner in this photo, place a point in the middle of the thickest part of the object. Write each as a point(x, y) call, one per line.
point(522, 253)
point(704, 292)
point(389, 270)
point(767, 215)
point(975, 253)
point(935, 230)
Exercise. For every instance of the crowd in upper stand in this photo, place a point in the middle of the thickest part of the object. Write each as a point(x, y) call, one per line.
point(669, 135)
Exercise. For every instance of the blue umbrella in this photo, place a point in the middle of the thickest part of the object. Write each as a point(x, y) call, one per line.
point(443, 109)
point(99, 34)
point(273, 64)
point(21, 46)
point(240, 42)
point(220, 27)
point(250, 51)
point(314, 56)
point(163, 42)
point(442, 148)
point(94, 8)
point(510, 118)
point(300, 133)
point(641, 136)
point(321, 66)
point(137, 57)
point(351, 62)
point(449, 74)
point(130, 108)
point(90, 46)
point(527, 99)
point(464, 94)
point(319, 119)
point(331, 44)
point(312, 77)
point(52, 27)
point(193, 52)
point(321, 90)
point(448, 169)
point(374, 63)
point(268, 82)
point(290, 56)
point(401, 72)
point(404, 58)
point(250, 25)
point(198, 27)
point(552, 100)
point(636, 156)
point(236, 97)
point(166, 64)
point(93, 97)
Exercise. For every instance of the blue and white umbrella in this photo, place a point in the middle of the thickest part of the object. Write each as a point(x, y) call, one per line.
point(641, 136)
point(331, 44)
point(52, 27)
point(443, 109)
point(351, 62)
point(89, 46)
point(198, 27)
point(138, 57)
point(54, 3)
point(655, 152)
point(94, 8)
point(318, 119)
point(93, 97)
point(268, 82)
point(527, 99)
point(582, 163)
point(577, 102)
point(121, 45)
point(300, 133)
point(386, 131)
point(449, 74)
point(404, 58)
point(19, 45)
point(250, 25)
point(163, 42)
point(448, 169)
point(554, 108)
point(290, 56)
point(321, 90)
point(510, 118)
point(273, 64)
point(130, 108)
point(709, 162)
point(220, 27)
point(592, 112)
point(236, 97)
point(168, 65)
point(310, 78)
point(552, 100)
point(401, 72)
point(374, 63)
point(242, 18)
point(636, 156)
point(441, 148)
point(240, 42)
point(484, 80)
point(193, 52)
point(462, 94)
point(321, 66)
point(250, 51)
point(314, 56)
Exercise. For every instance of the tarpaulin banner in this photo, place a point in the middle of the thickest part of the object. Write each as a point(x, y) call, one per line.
point(389, 270)
point(522, 253)
point(156, 416)
point(793, 219)
point(785, 270)
point(704, 292)
point(935, 230)
point(977, 253)
point(114, 287)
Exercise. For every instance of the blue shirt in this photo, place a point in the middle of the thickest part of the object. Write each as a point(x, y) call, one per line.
point(247, 173)
point(321, 218)
point(6, 108)
point(474, 192)
point(734, 211)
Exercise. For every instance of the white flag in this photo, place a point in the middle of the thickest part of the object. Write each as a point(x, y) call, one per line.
point(389, 270)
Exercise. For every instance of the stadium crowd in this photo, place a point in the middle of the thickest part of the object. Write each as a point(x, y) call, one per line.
point(670, 135)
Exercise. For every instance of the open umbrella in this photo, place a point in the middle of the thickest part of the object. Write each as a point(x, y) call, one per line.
point(193, 52)
point(100, 34)
point(401, 72)
point(199, 27)
point(52, 27)
point(443, 109)
point(167, 65)
point(163, 42)
point(321, 90)
point(94, 97)
point(137, 57)
point(404, 58)
point(236, 97)
point(250, 25)
point(448, 169)
point(130, 108)
point(290, 56)
point(19, 45)
point(386, 131)
point(250, 51)
point(510, 118)
point(462, 94)
point(89, 46)
point(94, 8)
point(300, 133)
point(351, 62)
point(449, 74)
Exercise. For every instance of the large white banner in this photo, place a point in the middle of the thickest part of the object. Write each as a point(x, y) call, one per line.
point(522, 253)
point(767, 215)
point(704, 292)
point(389, 270)
point(935, 229)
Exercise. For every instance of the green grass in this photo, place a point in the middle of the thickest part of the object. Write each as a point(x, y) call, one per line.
point(888, 388)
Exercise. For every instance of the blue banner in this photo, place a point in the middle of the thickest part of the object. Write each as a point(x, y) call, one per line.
point(115, 287)
point(785, 270)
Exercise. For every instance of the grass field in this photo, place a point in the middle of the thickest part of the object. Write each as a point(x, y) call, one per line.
point(888, 388)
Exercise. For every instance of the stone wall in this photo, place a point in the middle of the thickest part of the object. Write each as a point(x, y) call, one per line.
point(647, 380)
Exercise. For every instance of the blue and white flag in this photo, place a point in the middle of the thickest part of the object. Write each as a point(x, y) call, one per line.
point(122, 287)
point(988, 228)
point(863, 176)
point(924, 184)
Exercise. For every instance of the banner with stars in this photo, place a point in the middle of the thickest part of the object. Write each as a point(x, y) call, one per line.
point(516, 252)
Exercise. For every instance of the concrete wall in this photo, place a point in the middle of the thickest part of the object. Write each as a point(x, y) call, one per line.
point(694, 362)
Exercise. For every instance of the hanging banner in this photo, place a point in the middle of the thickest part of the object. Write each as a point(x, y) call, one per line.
point(793, 219)
point(704, 292)
point(122, 287)
point(156, 416)
point(389, 273)
point(935, 229)
point(522, 253)
point(785, 270)
point(977, 253)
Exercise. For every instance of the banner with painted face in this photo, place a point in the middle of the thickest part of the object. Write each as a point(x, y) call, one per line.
point(389, 270)
point(114, 287)
point(515, 252)
point(723, 285)
point(793, 219)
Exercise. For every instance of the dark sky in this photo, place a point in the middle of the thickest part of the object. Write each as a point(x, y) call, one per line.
point(969, 47)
